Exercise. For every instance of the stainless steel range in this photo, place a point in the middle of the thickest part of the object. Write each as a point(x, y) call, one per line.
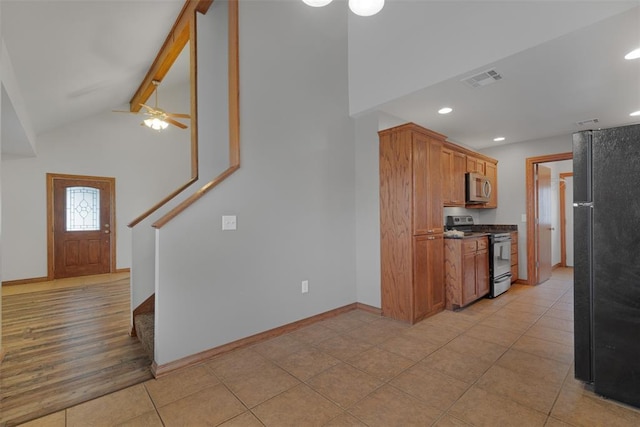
point(499, 252)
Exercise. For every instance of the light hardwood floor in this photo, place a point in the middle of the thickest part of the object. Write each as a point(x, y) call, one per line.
point(67, 342)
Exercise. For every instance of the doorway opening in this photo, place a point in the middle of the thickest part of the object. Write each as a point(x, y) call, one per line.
point(81, 238)
point(539, 229)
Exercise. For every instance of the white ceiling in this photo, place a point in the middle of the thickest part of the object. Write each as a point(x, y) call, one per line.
point(544, 91)
point(74, 59)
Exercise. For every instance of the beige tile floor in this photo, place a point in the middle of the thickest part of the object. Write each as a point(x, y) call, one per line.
point(501, 362)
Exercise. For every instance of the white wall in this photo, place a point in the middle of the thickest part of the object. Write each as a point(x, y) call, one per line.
point(293, 195)
point(147, 166)
point(511, 185)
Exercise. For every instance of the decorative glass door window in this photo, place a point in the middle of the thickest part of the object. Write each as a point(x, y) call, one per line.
point(83, 209)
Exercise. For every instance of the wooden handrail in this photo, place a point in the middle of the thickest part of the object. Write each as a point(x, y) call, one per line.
point(161, 203)
point(195, 197)
point(234, 123)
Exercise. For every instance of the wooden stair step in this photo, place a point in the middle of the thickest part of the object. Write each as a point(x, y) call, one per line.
point(145, 330)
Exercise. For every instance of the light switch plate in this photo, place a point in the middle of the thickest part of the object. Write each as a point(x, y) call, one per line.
point(523, 218)
point(229, 222)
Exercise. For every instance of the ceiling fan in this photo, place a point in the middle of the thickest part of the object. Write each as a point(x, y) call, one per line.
point(158, 119)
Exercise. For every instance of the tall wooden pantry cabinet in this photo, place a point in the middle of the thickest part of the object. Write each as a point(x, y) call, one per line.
point(411, 229)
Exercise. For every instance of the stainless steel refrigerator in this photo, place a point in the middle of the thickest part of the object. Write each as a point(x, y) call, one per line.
point(606, 194)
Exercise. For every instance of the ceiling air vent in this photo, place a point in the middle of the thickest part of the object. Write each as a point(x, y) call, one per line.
point(483, 79)
point(588, 122)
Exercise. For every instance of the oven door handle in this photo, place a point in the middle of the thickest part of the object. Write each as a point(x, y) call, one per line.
point(503, 278)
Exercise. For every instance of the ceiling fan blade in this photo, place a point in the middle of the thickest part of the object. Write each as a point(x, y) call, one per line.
point(179, 115)
point(175, 123)
point(152, 110)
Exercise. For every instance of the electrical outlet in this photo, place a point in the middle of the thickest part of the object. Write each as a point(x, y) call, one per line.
point(305, 286)
point(229, 222)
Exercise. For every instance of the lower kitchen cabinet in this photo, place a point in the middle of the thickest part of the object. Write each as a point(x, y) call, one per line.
point(514, 256)
point(428, 278)
point(466, 270)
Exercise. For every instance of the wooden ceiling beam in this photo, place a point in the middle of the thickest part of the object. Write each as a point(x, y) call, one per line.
point(170, 50)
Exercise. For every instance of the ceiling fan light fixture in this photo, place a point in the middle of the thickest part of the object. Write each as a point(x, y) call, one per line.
point(317, 3)
point(366, 7)
point(155, 123)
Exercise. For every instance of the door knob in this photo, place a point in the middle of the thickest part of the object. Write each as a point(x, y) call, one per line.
point(106, 231)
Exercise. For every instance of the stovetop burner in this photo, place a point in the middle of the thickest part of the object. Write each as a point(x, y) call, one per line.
point(462, 223)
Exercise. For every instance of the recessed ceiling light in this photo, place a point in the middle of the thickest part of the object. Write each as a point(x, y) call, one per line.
point(634, 54)
point(445, 110)
point(499, 139)
point(635, 113)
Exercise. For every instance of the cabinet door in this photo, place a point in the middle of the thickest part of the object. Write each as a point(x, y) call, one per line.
point(434, 188)
point(436, 273)
point(469, 292)
point(447, 177)
point(475, 165)
point(428, 279)
point(453, 169)
point(491, 171)
point(482, 273)
point(421, 283)
point(421, 195)
point(459, 168)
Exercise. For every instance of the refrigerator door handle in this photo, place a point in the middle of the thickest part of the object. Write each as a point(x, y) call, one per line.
point(583, 205)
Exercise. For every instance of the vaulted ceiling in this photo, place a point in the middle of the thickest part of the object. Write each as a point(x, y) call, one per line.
point(74, 59)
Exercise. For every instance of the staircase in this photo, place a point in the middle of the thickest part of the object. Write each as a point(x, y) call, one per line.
point(145, 330)
point(144, 324)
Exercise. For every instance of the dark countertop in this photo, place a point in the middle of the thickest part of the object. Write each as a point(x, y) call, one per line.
point(494, 228)
point(469, 236)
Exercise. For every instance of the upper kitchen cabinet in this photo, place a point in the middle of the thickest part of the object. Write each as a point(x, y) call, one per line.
point(491, 172)
point(411, 228)
point(454, 165)
point(411, 180)
point(475, 164)
point(456, 161)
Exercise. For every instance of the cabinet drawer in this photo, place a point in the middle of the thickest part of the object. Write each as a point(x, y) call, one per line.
point(469, 246)
point(482, 243)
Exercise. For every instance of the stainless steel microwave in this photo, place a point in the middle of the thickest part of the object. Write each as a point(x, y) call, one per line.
point(478, 188)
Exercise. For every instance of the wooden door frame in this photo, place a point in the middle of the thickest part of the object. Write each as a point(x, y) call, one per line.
point(563, 218)
point(532, 238)
point(51, 177)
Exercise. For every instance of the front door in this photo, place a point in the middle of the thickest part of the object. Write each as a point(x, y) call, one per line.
point(81, 225)
point(543, 198)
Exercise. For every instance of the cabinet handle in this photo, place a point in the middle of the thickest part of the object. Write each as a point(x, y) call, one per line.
point(431, 238)
point(430, 231)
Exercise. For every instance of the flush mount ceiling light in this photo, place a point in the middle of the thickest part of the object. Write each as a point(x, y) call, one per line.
point(317, 3)
point(499, 139)
point(634, 54)
point(359, 7)
point(366, 7)
point(635, 113)
point(445, 110)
